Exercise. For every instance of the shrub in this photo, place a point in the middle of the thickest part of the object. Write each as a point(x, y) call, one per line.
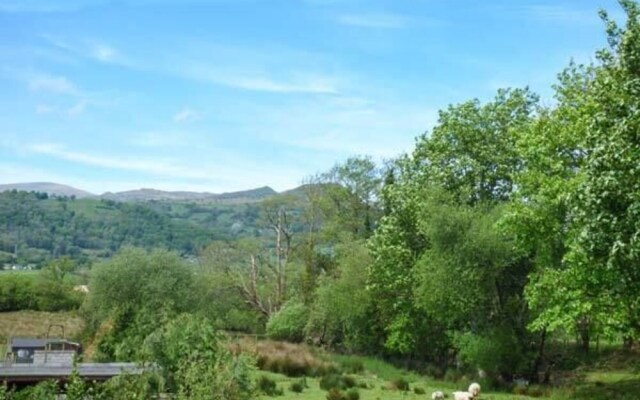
point(288, 323)
point(495, 351)
point(399, 384)
point(296, 387)
point(419, 390)
point(268, 386)
point(535, 391)
point(353, 394)
point(452, 375)
point(335, 381)
point(352, 365)
point(194, 362)
point(293, 360)
point(336, 394)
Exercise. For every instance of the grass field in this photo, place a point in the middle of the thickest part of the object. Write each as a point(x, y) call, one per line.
point(36, 324)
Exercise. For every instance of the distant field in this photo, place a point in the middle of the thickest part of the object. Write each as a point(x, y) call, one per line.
point(73, 278)
point(36, 323)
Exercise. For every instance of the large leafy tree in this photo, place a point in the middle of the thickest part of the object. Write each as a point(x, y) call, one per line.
point(577, 204)
point(467, 164)
point(607, 252)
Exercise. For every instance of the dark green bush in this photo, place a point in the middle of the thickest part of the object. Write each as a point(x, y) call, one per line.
point(336, 394)
point(288, 323)
point(399, 384)
point(452, 375)
point(20, 291)
point(296, 387)
point(353, 394)
point(268, 386)
point(352, 366)
point(418, 390)
point(335, 381)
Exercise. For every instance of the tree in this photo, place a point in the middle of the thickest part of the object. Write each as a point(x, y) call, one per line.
point(467, 164)
point(133, 294)
point(196, 363)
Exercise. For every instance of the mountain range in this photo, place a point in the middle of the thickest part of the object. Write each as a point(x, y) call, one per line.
point(145, 194)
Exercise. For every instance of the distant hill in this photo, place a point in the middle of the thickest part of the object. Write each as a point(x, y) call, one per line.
point(160, 195)
point(52, 189)
point(56, 189)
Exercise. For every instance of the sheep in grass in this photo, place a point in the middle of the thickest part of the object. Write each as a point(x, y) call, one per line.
point(462, 396)
point(474, 389)
point(437, 395)
point(471, 394)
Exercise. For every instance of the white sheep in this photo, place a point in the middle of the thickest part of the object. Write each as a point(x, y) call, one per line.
point(471, 394)
point(474, 389)
point(462, 396)
point(437, 395)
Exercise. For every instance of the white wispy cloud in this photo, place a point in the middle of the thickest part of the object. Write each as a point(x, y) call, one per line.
point(320, 86)
point(186, 115)
point(103, 52)
point(289, 81)
point(343, 127)
point(78, 108)
point(53, 84)
point(273, 70)
point(228, 172)
point(380, 21)
point(150, 166)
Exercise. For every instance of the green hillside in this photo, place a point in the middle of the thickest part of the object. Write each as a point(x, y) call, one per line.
point(37, 228)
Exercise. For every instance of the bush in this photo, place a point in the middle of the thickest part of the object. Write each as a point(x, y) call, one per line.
point(288, 323)
point(495, 351)
point(419, 390)
point(452, 375)
point(296, 387)
point(289, 359)
point(352, 365)
point(195, 363)
point(268, 386)
point(353, 394)
point(335, 381)
point(20, 291)
point(399, 384)
point(336, 394)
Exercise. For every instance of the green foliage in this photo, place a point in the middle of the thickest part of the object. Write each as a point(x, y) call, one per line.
point(297, 387)
point(76, 388)
point(38, 292)
point(289, 322)
point(352, 394)
point(268, 386)
point(135, 293)
point(336, 394)
point(340, 313)
point(195, 362)
point(337, 381)
point(45, 228)
point(47, 390)
point(399, 384)
point(491, 352)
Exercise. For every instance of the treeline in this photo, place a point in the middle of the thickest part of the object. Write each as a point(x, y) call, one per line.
point(36, 228)
point(512, 224)
point(53, 289)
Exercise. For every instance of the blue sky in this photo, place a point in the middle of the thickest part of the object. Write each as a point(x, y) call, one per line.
point(227, 95)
